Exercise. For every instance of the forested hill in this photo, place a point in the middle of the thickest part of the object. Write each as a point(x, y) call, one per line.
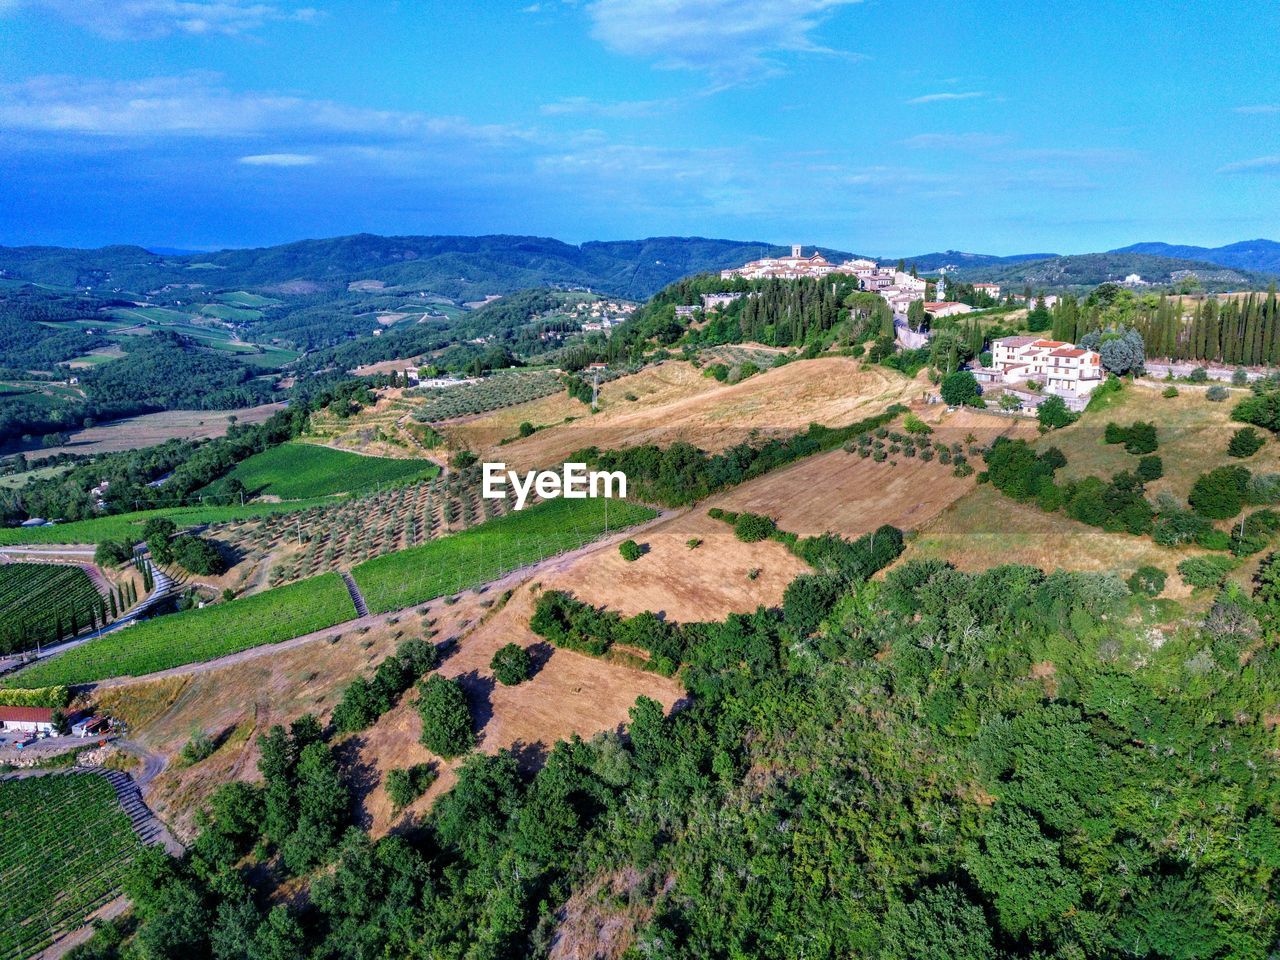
point(1091, 269)
point(1246, 255)
point(459, 268)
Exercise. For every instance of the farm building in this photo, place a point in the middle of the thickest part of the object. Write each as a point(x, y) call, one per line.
point(27, 719)
point(90, 726)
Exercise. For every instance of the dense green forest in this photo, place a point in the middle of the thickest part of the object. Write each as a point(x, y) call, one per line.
point(1088, 270)
point(1236, 330)
point(458, 268)
point(164, 373)
point(942, 765)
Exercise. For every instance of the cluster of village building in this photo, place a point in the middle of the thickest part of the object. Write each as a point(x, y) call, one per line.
point(898, 288)
point(1033, 366)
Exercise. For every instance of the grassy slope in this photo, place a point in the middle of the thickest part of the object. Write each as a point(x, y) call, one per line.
point(197, 635)
point(297, 470)
point(1193, 433)
point(485, 552)
point(130, 524)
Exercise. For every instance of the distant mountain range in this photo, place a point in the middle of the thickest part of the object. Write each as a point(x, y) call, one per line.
point(469, 268)
point(1262, 255)
point(459, 268)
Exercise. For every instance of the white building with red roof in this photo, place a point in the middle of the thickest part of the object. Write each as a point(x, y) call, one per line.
point(27, 719)
point(1062, 368)
point(945, 308)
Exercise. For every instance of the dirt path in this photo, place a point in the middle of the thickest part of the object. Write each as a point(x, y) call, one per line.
point(509, 581)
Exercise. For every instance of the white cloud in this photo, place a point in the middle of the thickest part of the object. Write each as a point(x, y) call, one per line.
point(280, 159)
point(1258, 108)
point(199, 105)
point(732, 40)
point(943, 97)
point(1268, 164)
point(955, 141)
point(616, 109)
point(151, 19)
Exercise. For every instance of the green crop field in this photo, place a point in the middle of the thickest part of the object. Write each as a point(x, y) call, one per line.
point(161, 315)
point(194, 636)
point(64, 846)
point(242, 298)
point(489, 550)
point(120, 525)
point(43, 602)
point(296, 470)
point(234, 314)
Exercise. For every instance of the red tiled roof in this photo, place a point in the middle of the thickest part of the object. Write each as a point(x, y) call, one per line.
point(1050, 343)
point(1068, 353)
point(26, 714)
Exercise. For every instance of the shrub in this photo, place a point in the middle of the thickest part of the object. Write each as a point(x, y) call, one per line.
point(113, 553)
point(1053, 413)
point(511, 664)
point(526, 429)
point(197, 555)
point(200, 747)
point(1150, 468)
point(1240, 377)
point(1198, 375)
point(1245, 442)
point(1261, 409)
point(1220, 493)
point(1147, 580)
point(405, 786)
point(446, 717)
point(959, 388)
point(1254, 533)
point(1137, 438)
point(913, 424)
point(1169, 392)
point(1263, 488)
point(1205, 571)
point(693, 543)
point(753, 527)
point(630, 550)
point(1217, 393)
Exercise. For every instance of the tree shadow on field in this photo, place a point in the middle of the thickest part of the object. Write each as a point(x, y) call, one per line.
point(479, 690)
point(231, 554)
point(360, 775)
point(539, 654)
point(529, 756)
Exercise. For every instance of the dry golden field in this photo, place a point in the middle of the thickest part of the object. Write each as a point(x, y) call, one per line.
point(153, 428)
point(675, 401)
point(1193, 433)
point(843, 493)
point(985, 529)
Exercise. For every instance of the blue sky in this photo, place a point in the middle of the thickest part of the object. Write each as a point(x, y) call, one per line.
point(877, 126)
